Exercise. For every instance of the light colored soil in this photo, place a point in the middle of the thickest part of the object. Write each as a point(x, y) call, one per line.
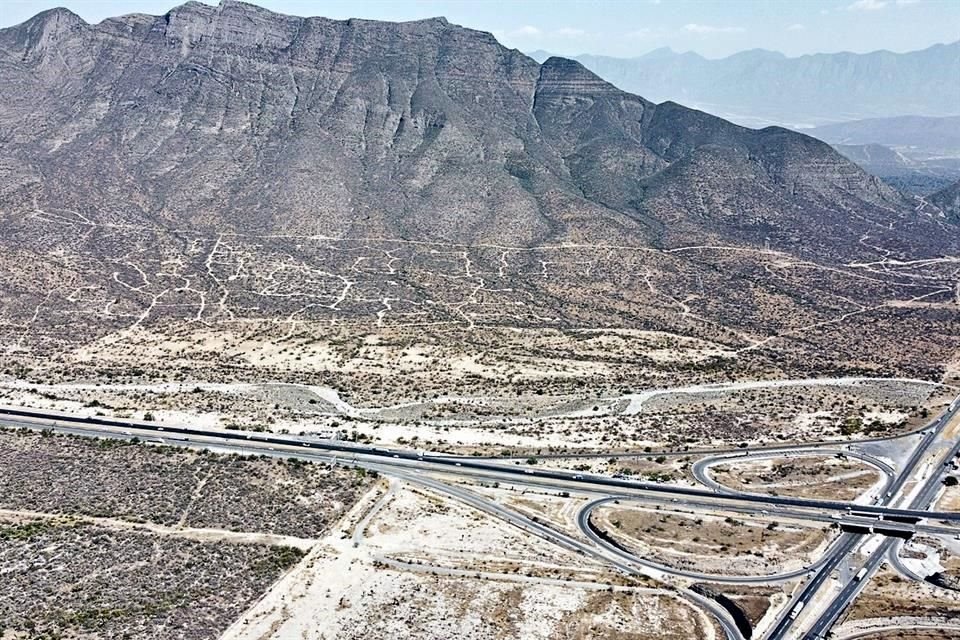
point(491, 422)
point(825, 477)
point(471, 576)
point(888, 592)
point(709, 544)
point(949, 499)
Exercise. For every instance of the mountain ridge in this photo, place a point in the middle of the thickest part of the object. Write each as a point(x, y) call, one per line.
point(421, 129)
point(229, 174)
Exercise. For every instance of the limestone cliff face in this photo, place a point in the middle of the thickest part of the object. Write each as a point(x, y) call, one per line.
point(236, 118)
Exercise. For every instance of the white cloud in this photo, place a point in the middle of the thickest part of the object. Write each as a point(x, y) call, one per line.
point(796, 27)
point(526, 31)
point(706, 28)
point(569, 32)
point(642, 32)
point(903, 3)
point(867, 5)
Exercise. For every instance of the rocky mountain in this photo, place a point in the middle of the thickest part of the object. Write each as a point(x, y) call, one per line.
point(909, 170)
point(948, 200)
point(915, 154)
point(203, 188)
point(761, 87)
point(236, 118)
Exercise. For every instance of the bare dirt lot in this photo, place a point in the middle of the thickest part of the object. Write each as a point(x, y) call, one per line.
point(888, 592)
point(428, 569)
point(827, 477)
point(949, 499)
point(709, 544)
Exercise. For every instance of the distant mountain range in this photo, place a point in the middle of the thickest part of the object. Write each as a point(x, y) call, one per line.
point(919, 134)
point(909, 173)
point(759, 87)
point(916, 154)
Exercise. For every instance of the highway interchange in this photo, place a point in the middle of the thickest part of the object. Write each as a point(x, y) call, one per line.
point(901, 506)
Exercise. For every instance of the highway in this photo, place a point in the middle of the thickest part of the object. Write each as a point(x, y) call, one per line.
point(516, 475)
point(411, 466)
point(256, 442)
point(842, 600)
point(848, 541)
point(591, 532)
point(836, 607)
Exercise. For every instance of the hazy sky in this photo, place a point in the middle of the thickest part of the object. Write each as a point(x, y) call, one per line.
point(627, 28)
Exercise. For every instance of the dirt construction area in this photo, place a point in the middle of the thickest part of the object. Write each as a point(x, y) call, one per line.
point(416, 566)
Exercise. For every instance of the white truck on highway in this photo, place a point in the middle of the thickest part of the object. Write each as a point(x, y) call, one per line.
point(860, 574)
point(796, 610)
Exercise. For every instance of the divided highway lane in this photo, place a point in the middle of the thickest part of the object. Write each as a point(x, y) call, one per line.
point(846, 543)
point(836, 607)
point(923, 499)
point(38, 420)
point(710, 502)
